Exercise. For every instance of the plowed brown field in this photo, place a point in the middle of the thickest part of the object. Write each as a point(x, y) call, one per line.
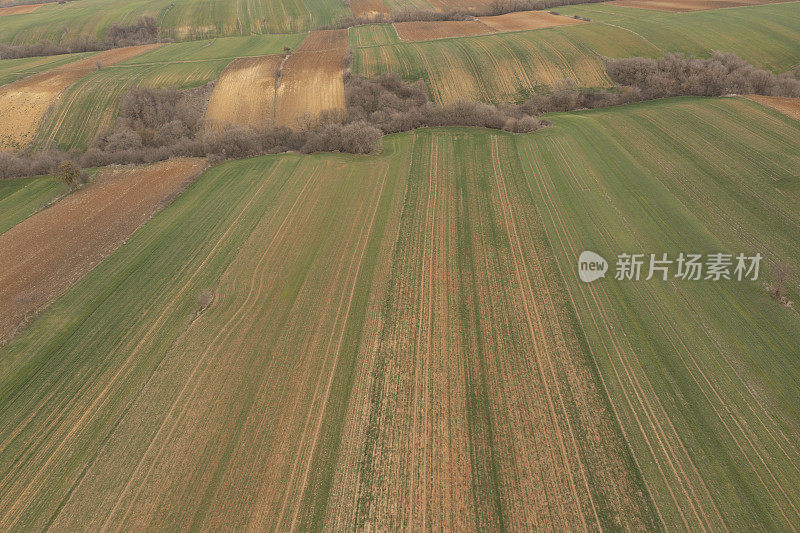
point(323, 40)
point(427, 30)
point(787, 106)
point(43, 255)
point(527, 20)
point(683, 6)
point(19, 10)
point(311, 79)
point(24, 103)
point(245, 93)
point(369, 8)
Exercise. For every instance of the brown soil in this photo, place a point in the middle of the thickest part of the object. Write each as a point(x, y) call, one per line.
point(322, 40)
point(369, 8)
point(42, 256)
point(311, 79)
point(527, 20)
point(425, 30)
point(787, 106)
point(19, 10)
point(245, 93)
point(690, 5)
point(24, 103)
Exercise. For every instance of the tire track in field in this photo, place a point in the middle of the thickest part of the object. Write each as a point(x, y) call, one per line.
point(253, 292)
point(660, 431)
point(533, 315)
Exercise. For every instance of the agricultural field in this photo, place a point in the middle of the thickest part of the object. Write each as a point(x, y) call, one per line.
point(24, 103)
point(179, 19)
point(510, 67)
point(311, 78)
point(313, 266)
point(368, 8)
point(245, 93)
point(683, 6)
point(527, 20)
point(15, 69)
point(400, 341)
point(372, 35)
point(22, 197)
point(425, 31)
point(785, 105)
point(48, 251)
point(703, 376)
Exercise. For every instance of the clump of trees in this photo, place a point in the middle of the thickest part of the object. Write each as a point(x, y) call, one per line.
point(144, 31)
point(392, 105)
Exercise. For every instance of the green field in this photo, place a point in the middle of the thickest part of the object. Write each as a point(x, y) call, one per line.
point(91, 104)
point(509, 67)
point(179, 19)
point(14, 69)
point(372, 35)
point(20, 198)
point(370, 313)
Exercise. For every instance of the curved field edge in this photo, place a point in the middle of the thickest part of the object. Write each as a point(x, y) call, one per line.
point(302, 257)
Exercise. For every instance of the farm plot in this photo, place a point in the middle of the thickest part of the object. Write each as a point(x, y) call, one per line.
point(491, 68)
point(245, 93)
point(92, 104)
point(702, 375)
point(788, 106)
point(19, 10)
point(15, 69)
point(311, 78)
point(683, 6)
point(229, 48)
point(320, 341)
point(21, 197)
point(372, 35)
point(24, 103)
point(46, 253)
point(427, 30)
point(527, 20)
point(768, 36)
point(369, 8)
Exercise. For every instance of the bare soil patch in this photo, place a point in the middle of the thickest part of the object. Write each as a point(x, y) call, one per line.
point(369, 8)
point(427, 30)
point(322, 40)
point(527, 20)
point(24, 103)
point(19, 10)
point(245, 93)
point(683, 6)
point(787, 106)
point(311, 78)
point(42, 256)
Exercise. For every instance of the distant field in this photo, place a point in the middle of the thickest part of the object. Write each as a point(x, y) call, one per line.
point(180, 20)
point(91, 104)
point(689, 5)
point(372, 35)
point(20, 198)
point(24, 103)
point(14, 69)
point(510, 67)
point(704, 376)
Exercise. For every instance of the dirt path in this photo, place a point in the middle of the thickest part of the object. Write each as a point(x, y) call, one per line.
point(45, 254)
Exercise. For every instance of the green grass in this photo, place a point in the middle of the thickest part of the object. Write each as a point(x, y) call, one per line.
point(21, 197)
point(179, 20)
point(372, 35)
point(509, 67)
point(717, 361)
point(14, 69)
point(221, 48)
point(326, 270)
